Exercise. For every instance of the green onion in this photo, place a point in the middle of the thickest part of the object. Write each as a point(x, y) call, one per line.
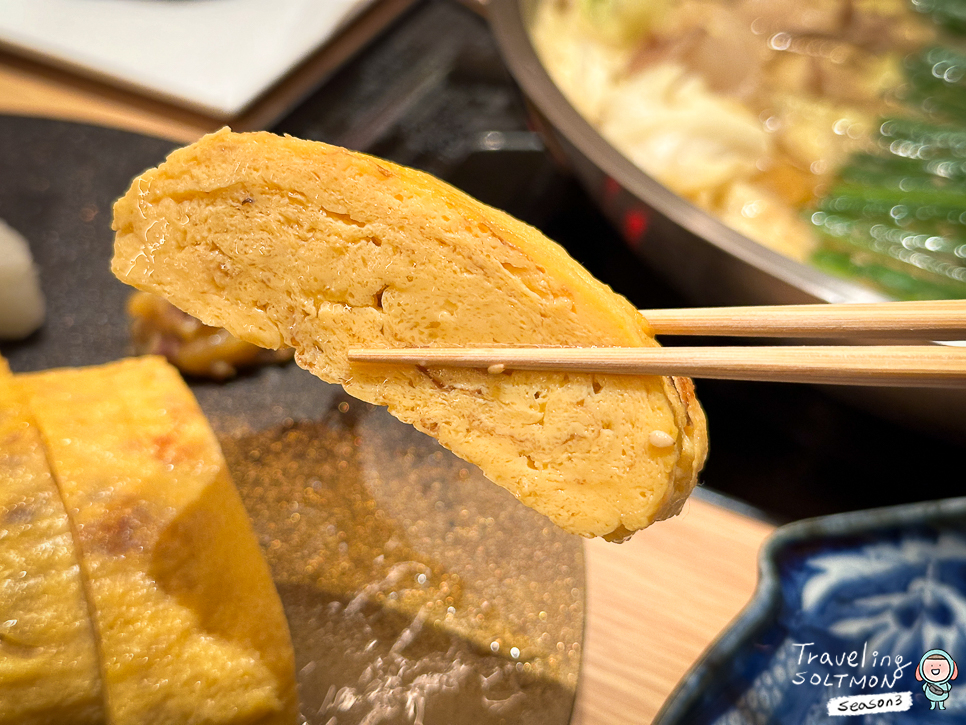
point(896, 217)
point(951, 14)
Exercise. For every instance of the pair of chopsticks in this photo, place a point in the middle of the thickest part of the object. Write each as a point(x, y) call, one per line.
point(913, 365)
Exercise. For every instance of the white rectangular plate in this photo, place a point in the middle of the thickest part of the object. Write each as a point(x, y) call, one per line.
point(216, 56)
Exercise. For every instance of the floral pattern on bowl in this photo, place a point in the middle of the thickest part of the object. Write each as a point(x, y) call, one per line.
point(846, 607)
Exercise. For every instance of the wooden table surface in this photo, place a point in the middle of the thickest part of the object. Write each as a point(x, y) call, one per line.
point(654, 603)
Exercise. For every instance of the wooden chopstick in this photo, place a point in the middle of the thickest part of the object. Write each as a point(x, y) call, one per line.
point(909, 365)
point(927, 320)
point(902, 365)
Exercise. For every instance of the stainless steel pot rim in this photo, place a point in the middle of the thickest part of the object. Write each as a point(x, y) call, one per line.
point(509, 26)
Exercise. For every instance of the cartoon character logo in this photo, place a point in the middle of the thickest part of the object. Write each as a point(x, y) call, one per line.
point(936, 669)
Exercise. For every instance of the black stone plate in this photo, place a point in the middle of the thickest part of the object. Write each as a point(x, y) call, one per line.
point(416, 591)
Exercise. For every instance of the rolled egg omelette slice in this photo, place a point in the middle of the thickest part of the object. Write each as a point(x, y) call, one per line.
point(49, 671)
point(189, 626)
point(295, 243)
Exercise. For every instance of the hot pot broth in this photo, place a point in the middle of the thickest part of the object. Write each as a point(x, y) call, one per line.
point(772, 115)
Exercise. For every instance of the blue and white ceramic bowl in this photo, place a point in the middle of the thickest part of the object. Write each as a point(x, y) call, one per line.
point(846, 607)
